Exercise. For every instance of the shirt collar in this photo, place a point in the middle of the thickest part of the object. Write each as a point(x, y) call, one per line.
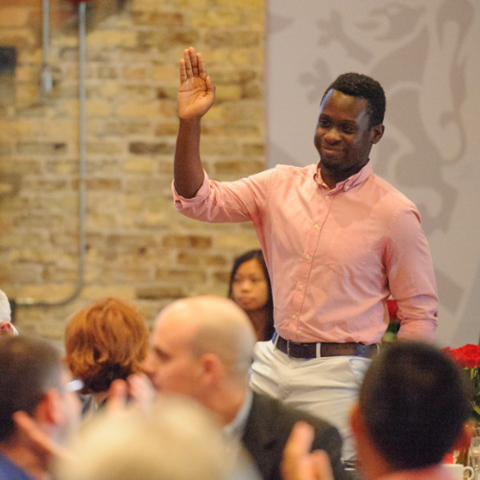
point(236, 427)
point(352, 181)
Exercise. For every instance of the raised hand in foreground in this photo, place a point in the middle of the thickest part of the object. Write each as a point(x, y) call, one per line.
point(299, 463)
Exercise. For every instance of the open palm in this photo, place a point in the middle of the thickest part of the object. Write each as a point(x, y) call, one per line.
point(196, 93)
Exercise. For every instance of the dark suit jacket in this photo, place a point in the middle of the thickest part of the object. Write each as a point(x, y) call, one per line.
point(267, 429)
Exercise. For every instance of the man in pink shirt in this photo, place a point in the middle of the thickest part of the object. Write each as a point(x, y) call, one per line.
point(337, 240)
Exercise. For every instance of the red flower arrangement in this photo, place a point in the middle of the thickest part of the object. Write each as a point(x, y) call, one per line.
point(394, 324)
point(468, 357)
point(393, 310)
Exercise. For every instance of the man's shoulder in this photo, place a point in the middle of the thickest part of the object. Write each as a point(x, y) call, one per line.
point(295, 170)
point(390, 191)
point(11, 471)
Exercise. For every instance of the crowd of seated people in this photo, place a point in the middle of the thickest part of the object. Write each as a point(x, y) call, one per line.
point(404, 423)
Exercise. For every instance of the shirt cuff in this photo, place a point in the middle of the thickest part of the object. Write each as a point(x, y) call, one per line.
point(200, 196)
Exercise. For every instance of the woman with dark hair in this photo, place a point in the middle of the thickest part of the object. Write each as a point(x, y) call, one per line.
point(106, 341)
point(250, 288)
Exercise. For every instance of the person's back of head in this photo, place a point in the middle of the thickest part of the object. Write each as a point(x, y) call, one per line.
point(177, 440)
point(224, 330)
point(414, 403)
point(105, 341)
point(29, 368)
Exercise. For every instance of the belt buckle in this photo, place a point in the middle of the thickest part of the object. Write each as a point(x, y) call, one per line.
point(288, 347)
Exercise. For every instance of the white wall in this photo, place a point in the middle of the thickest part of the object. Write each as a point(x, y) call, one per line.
point(426, 54)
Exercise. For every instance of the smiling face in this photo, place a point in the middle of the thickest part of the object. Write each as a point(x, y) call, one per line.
point(249, 286)
point(343, 137)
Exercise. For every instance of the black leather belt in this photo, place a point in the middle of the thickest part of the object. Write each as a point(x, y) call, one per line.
point(314, 350)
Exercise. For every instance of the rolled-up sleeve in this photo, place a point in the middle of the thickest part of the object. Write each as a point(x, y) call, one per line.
point(222, 202)
point(412, 279)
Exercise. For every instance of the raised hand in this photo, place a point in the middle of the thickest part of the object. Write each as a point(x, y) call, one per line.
point(42, 443)
point(196, 94)
point(298, 462)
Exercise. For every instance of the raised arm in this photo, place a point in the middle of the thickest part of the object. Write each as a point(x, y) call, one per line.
point(196, 96)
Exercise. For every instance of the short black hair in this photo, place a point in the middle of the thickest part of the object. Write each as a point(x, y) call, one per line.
point(29, 367)
point(362, 86)
point(414, 401)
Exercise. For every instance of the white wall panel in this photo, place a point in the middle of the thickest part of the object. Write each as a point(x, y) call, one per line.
point(426, 54)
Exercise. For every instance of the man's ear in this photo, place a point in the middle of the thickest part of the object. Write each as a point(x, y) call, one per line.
point(377, 133)
point(356, 421)
point(211, 366)
point(49, 410)
point(463, 441)
point(6, 329)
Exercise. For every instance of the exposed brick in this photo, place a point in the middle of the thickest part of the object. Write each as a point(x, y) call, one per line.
point(187, 241)
point(144, 148)
point(138, 246)
point(181, 276)
point(200, 259)
point(158, 19)
point(40, 148)
point(239, 168)
point(160, 293)
point(233, 39)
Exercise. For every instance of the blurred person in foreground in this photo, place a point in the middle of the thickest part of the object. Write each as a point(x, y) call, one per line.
point(250, 288)
point(105, 341)
point(36, 397)
point(202, 347)
point(6, 327)
point(412, 410)
point(177, 440)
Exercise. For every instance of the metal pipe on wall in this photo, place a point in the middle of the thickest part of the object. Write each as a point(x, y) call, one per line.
point(29, 302)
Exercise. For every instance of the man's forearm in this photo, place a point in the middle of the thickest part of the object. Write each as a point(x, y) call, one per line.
point(188, 170)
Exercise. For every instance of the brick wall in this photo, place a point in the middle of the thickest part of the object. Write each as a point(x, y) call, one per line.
point(138, 247)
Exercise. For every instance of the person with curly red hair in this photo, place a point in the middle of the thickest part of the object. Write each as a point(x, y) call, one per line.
point(106, 341)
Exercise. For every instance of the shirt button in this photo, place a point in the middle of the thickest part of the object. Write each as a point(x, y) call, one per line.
point(316, 226)
point(294, 316)
point(327, 198)
point(301, 287)
point(307, 257)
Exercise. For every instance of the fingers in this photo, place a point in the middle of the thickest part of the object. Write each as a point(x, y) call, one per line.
point(202, 69)
point(141, 391)
point(192, 65)
point(300, 440)
point(183, 71)
point(322, 468)
point(117, 396)
point(297, 462)
point(40, 440)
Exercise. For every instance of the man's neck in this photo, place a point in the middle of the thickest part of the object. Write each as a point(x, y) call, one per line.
point(27, 459)
point(331, 177)
point(227, 403)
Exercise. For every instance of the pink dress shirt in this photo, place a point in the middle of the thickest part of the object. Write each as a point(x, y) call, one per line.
point(334, 255)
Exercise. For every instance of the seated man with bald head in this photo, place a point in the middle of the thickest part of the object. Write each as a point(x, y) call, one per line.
point(202, 347)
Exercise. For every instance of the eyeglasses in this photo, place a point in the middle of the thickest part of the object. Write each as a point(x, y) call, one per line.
point(72, 386)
